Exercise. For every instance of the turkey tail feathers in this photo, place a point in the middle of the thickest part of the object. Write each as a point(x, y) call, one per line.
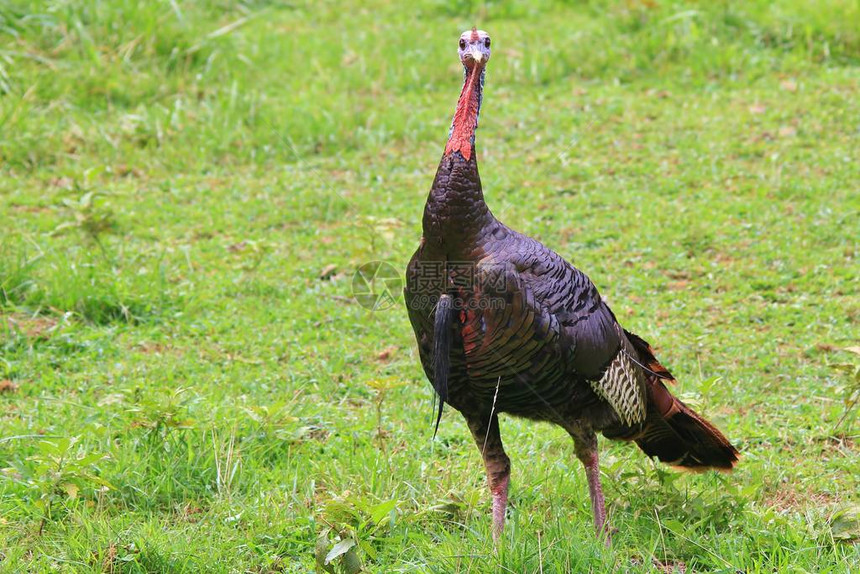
point(442, 335)
point(678, 436)
point(673, 432)
point(646, 355)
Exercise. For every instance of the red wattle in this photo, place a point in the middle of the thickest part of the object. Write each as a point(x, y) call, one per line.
point(465, 117)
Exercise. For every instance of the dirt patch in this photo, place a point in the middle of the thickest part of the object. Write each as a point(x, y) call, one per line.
point(386, 354)
point(30, 208)
point(7, 387)
point(840, 443)
point(191, 513)
point(154, 348)
point(664, 566)
point(669, 566)
point(32, 327)
point(788, 498)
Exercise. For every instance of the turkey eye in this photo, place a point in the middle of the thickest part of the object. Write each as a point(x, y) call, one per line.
point(487, 42)
point(462, 44)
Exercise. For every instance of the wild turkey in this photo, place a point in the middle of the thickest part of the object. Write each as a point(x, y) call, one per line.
point(506, 325)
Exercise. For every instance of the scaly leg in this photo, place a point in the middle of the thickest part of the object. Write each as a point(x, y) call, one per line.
point(585, 445)
point(485, 431)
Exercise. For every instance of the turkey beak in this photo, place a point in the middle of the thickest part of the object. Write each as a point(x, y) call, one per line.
point(476, 54)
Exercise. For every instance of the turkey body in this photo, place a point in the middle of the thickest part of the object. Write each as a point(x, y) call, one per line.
point(530, 330)
point(506, 325)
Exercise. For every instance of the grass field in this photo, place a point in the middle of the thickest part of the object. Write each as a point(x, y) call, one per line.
point(187, 385)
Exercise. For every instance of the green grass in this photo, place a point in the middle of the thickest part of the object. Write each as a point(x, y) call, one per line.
point(184, 392)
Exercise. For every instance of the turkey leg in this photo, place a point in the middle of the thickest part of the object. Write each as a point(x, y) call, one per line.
point(585, 445)
point(496, 462)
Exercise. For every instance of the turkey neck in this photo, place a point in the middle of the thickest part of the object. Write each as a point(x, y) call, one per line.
point(456, 214)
